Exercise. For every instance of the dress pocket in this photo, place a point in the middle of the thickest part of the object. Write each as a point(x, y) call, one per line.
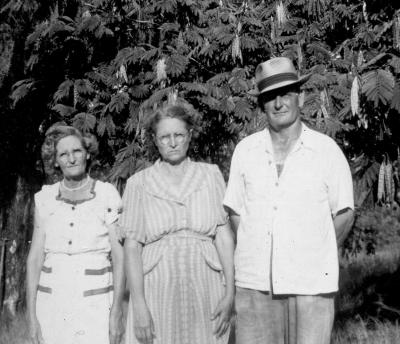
point(210, 255)
point(151, 256)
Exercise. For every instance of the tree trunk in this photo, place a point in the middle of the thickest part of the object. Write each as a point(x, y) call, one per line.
point(18, 224)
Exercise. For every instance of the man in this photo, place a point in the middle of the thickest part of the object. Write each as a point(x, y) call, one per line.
point(290, 198)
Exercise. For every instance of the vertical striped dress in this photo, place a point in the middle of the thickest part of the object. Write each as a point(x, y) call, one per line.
point(183, 276)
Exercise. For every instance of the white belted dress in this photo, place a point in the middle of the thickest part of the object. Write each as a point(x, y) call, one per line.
point(75, 288)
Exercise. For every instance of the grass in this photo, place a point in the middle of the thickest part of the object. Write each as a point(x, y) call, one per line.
point(368, 304)
point(369, 281)
point(370, 331)
point(13, 331)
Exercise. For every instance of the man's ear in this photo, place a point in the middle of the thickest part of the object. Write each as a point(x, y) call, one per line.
point(302, 96)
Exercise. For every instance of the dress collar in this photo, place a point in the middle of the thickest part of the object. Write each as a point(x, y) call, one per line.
point(192, 180)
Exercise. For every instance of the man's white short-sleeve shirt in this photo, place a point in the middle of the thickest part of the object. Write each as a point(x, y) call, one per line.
point(286, 239)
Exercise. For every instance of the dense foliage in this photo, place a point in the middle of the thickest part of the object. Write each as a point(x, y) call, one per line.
point(103, 65)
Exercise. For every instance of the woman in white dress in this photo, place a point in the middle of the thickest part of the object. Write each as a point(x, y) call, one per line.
point(74, 292)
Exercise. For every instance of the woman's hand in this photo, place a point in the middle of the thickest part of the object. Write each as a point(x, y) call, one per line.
point(116, 325)
point(34, 331)
point(222, 315)
point(143, 323)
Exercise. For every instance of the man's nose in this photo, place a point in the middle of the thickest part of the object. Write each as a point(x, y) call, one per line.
point(278, 102)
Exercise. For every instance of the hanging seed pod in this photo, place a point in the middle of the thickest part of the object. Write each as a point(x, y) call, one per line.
point(161, 70)
point(122, 73)
point(281, 14)
point(364, 11)
point(381, 182)
point(172, 97)
point(180, 42)
point(324, 103)
point(396, 31)
point(398, 158)
point(389, 182)
point(273, 34)
point(76, 95)
point(354, 97)
point(299, 55)
point(236, 51)
point(360, 58)
point(239, 27)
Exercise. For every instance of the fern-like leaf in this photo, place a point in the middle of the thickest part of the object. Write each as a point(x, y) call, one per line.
point(176, 64)
point(242, 109)
point(378, 86)
point(85, 122)
point(21, 89)
point(63, 90)
point(195, 87)
point(396, 98)
point(64, 110)
point(118, 102)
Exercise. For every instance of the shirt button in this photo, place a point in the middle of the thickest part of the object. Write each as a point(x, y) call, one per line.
point(269, 162)
point(69, 242)
point(275, 208)
point(109, 210)
point(276, 184)
point(73, 208)
point(71, 224)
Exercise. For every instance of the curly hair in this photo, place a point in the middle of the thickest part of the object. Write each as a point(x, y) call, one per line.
point(183, 112)
point(57, 132)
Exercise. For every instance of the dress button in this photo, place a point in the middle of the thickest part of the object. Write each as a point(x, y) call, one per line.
point(69, 242)
point(71, 224)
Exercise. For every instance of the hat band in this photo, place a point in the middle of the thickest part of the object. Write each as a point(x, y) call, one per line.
point(275, 79)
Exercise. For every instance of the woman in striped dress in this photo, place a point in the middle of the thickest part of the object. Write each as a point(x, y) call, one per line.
point(178, 243)
point(70, 279)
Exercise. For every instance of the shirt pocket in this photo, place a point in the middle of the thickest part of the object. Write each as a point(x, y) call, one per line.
point(256, 184)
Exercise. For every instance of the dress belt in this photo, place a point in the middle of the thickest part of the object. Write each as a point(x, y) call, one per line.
point(184, 233)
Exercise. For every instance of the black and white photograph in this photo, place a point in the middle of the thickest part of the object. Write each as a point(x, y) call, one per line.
point(199, 172)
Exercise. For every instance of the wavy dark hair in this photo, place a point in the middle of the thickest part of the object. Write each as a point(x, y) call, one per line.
point(178, 111)
point(57, 132)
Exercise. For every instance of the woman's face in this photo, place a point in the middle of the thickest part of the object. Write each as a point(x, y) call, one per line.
point(172, 140)
point(71, 157)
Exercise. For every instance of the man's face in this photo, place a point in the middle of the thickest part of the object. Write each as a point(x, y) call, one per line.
point(282, 107)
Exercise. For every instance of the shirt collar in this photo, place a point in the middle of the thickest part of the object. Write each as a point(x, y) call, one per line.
point(305, 139)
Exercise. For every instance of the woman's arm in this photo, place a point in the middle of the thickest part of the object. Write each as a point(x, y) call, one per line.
point(34, 266)
point(117, 256)
point(143, 323)
point(224, 243)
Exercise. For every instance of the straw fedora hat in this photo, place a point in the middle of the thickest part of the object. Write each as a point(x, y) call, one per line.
point(276, 73)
